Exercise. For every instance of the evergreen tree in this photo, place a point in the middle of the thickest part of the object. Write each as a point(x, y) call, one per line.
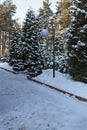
point(62, 16)
point(12, 50)
point(7, 10)
point(44, 13)
point(15, 52)
point(31, 37)
point(77, 41)
point(60, 55)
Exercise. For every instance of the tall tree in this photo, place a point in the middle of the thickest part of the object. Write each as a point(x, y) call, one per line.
point(62, 16)
point(14, 47)
point(31, 37)
point(7, 10)
point(77, 41)
point(44, 13)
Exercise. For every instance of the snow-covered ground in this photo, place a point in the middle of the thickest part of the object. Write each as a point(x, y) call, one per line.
point(25, 105)
point(62, 81)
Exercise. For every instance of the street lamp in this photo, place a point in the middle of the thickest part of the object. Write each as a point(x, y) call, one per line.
point(52, 35)
point(44, 32)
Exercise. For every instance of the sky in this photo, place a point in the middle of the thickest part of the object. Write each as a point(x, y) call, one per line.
point(26, 105)
point(24, 5)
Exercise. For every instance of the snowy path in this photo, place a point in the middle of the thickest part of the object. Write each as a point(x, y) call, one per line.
point(27, 105)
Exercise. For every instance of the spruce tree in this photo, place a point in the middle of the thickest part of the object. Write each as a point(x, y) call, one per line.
point(77, 41)
point(60, 55)
point(13, 45)
point(15, 52)
point(31, 37)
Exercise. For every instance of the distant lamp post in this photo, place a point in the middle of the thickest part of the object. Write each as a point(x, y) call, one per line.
point(44, 34)
point(51, 33)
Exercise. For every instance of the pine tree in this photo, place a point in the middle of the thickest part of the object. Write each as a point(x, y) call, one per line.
point(7, 10)
point(31, 37)
point(62, 17)
point(77, 41)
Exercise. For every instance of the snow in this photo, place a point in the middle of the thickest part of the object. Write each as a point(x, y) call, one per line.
point(26, 105)
point(64, 82)
point(80, 43)
point(5, 65)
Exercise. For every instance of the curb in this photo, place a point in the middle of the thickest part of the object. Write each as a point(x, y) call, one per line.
point(59, 90)
point(14, 72)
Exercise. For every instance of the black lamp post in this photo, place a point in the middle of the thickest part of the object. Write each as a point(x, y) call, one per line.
point(44, 34)
point(51, 27)
point(53, 54)
point(52, 34)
